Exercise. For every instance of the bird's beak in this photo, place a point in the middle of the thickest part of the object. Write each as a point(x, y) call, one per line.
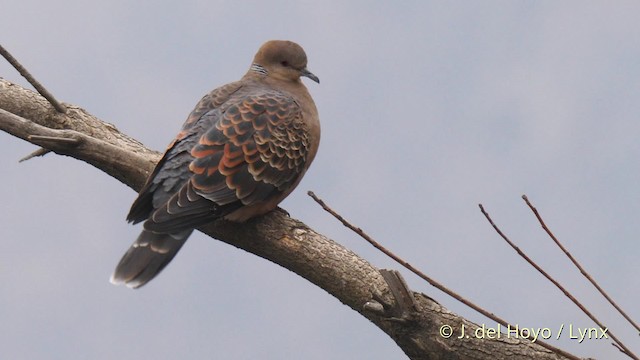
point(306, 73)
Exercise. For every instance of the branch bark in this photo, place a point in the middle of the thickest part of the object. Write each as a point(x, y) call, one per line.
point(275, 237)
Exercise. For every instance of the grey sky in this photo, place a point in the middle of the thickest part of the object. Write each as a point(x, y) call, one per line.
point(427, 109)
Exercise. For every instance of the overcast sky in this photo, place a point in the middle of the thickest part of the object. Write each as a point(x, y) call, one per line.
point(427, 109)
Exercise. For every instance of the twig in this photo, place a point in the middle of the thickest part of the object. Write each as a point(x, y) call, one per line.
point(577, 264)
point(39, 152)
point(41, 89)
point(422, 275)
point(560, 287)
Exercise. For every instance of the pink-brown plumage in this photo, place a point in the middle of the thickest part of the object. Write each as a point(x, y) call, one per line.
point(241, 151)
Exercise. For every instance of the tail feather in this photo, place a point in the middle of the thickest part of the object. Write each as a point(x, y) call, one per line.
point(148, 255)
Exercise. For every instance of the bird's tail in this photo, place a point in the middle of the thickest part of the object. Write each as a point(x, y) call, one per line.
point(148, 255)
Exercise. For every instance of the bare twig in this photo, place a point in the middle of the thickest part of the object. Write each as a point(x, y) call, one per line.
point(41, 89)
point(422, 275)
point(603, 328)
point(577, 264)
point(39, 152)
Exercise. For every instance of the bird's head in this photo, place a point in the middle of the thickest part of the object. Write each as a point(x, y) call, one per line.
point(284, 60)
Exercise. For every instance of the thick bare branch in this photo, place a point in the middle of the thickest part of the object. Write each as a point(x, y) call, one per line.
point(275, 236)
point(28, 116)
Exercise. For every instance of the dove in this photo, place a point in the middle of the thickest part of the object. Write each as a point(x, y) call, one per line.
point(242, 150)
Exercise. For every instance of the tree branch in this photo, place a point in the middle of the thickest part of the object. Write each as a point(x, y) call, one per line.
point(36, 84)
point(575, 262)
point(566, 292)
point(275, 236)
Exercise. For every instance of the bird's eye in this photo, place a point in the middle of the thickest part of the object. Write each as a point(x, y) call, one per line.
point(284, 63)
